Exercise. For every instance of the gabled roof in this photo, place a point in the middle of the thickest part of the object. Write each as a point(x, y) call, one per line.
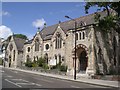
point(19, 43)
point(47, 32)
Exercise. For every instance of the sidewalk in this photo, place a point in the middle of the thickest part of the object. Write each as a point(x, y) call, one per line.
point(84, 80)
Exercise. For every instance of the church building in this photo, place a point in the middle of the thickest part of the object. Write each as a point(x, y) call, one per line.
point(94, 52)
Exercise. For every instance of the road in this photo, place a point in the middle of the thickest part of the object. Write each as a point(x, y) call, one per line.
point(19, 79)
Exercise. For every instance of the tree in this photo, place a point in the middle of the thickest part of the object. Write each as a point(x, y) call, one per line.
point(18, 36)
point(108, 23)
point(110, 20)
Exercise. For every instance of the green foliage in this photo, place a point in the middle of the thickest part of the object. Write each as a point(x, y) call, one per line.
point(34, 64)
point(28, 64)
point(109, 21)
point(63, 68)
point(45, 66)
point(112, 71)
point(18, 36)
point(41, 61)
point(1, 61)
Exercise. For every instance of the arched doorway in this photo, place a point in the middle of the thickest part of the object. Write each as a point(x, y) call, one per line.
point(83, 61)
point(82, 58)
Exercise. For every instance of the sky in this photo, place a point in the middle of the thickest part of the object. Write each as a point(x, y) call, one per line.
point(26, 17)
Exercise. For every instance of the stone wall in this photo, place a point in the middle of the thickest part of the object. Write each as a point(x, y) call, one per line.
point(106, 48)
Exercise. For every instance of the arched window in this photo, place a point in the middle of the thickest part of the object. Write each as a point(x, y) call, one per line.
point(37, 58)
point(56, 58)
point(11, 47)
point(114, 50)
point(28, 49)
point(58, 41)
point(80, 35)
point(76, 36)
point(82, 23)
point(59, 59)
point(83, 35)
point(99, 56)
point(14, 55)
point(37, 45)
point(47, 46)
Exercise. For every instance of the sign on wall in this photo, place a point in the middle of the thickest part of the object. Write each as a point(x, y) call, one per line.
point(52, 62)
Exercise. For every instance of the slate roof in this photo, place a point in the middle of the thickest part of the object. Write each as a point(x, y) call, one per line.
point(19, 43)
point(67, 25)
point(47, 32)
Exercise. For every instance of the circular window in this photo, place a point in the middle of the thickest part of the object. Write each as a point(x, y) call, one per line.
point(28, 49)
point(47, 46)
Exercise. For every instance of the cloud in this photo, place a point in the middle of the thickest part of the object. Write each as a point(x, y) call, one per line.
point(5, 31)
point(39, 23)
point(4, 13)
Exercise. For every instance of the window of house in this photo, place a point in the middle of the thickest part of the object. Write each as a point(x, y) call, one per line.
point(56, 58)
point(14, 55)
point(59, 58)
point(28, 49)
point(82, 23)
point(58, 41)
point(11, 47)
point(80, 35)
point(47, 46)
point(37, 45)
point(63, 58)
point(83, 35)
point(99, 56)
point(37, 57)
point(76, 36)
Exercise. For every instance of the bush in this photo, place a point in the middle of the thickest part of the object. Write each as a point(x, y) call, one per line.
point(63, 68)
point(1, 61)
point(34, 64)
point(40, 62)
point(28, 64)
point(45, 66)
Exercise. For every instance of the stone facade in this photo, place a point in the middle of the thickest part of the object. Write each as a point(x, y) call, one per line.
point(14, 52)
point(57, 43)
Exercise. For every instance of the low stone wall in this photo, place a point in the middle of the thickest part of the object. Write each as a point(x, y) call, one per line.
point(39, 69)
point(107, 77)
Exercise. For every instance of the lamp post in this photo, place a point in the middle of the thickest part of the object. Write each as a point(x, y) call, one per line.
point(75, 46)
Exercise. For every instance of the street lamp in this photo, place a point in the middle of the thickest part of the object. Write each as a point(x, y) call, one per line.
point(75, 45)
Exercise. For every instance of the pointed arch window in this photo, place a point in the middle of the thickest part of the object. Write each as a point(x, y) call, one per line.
point(99, 56)
point(83, 35)
point(59, 59)
point(76, 36)
point(58, 41)
point(14, 55)
point(11, 47)
point(37, 44)
point(80, 35)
